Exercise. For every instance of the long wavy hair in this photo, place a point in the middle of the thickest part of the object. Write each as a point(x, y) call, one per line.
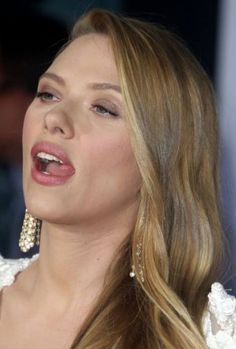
point(176, 245)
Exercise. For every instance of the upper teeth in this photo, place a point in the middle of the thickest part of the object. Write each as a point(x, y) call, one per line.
point(49, 157)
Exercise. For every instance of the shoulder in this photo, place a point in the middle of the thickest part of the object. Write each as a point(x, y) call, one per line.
point(10, 267)
point(219, 323)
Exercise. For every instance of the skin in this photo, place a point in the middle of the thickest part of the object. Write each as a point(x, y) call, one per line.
point(85, 219)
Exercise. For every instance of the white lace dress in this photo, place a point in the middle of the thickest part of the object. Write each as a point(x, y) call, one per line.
point(219, 323)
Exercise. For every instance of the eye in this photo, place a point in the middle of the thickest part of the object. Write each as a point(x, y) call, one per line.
point(105, 111)
point(46, 96)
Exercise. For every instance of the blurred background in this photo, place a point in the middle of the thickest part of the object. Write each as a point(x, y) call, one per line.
point(31, 32)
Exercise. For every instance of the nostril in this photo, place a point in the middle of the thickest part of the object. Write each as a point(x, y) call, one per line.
point(58, 129)
point(58, 124)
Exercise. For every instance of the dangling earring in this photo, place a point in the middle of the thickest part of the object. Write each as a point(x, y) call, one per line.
point(132, 273)
point(30, 233)
point(140, 272)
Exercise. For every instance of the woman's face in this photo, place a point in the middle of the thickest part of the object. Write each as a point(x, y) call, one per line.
point(78, 162)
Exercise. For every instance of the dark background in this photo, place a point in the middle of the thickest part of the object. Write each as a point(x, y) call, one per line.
point(194, 21)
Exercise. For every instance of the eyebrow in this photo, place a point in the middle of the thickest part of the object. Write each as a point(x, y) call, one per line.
point(54, 77)
point(104, 86)
point(93, 86)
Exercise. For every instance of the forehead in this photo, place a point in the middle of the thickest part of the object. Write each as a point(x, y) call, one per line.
point(89, 55)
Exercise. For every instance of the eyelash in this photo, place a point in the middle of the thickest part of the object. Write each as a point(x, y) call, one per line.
point(98, 108)
point(45, 96)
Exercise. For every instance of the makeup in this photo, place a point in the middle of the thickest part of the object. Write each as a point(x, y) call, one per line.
point(50, 164)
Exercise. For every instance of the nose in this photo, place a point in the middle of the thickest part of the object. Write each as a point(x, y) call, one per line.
point(57, 122)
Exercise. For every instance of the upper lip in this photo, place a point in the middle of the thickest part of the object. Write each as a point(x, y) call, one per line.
point(52, 149)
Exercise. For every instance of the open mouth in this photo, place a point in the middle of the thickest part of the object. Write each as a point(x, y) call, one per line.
point(50, 164)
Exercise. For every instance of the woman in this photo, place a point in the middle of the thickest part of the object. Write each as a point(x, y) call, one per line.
point(120, 165)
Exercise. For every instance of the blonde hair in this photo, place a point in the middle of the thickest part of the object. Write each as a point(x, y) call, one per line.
point(171, 115)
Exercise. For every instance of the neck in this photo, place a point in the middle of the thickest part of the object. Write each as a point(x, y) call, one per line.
point(72, 264)
point(69, 258)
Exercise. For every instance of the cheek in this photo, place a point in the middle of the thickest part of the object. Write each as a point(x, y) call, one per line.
point(111, 163)
point(105, 153)
point(26, 134)
point(30, 128)
point(29, 135)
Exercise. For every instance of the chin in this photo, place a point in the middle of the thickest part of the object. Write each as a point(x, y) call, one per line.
point(45, 208)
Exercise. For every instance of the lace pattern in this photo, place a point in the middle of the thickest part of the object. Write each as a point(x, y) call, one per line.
point(9, 268)
point(219, 324)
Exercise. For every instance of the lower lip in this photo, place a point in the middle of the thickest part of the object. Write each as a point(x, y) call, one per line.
point(45, 179)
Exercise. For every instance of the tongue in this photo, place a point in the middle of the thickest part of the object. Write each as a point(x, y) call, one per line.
point(55, 169)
